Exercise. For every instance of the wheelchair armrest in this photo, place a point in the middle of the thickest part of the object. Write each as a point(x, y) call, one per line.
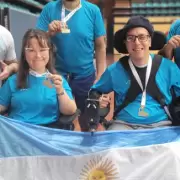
point(68, 119)
point(158, 40)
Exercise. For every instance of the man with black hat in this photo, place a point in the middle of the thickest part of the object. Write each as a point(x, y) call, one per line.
point(137, 70)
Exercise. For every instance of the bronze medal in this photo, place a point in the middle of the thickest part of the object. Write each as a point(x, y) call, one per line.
point(65, 30)
point(47, 83)
point(142, 113)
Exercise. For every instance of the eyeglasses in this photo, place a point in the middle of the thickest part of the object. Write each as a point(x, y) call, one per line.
point(32, 51)
point(141, 38)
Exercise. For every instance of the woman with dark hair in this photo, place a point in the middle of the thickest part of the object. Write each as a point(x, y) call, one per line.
point(36, 94)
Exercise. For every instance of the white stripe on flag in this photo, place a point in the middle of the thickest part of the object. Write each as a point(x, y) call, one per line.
point(154, 162)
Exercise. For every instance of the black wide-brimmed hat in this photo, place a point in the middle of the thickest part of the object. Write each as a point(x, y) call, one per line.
point(158, 38)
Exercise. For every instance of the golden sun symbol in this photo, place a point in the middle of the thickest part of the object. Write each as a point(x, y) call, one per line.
point(99, 169)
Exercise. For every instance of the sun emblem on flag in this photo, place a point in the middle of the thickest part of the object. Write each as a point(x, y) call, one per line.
point(99, 169)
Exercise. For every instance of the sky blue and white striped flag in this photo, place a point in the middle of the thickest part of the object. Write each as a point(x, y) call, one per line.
point(29, 152)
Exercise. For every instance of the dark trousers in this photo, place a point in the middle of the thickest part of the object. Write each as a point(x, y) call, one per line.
point(80, 88)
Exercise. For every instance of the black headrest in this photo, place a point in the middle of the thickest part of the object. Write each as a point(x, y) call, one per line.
point(158, 40)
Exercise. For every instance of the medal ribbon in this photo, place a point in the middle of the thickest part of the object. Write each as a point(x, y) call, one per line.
point(148, 71)
point(34, 73)
point(65, 18)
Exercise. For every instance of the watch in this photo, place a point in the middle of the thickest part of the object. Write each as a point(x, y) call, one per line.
point(61, 93)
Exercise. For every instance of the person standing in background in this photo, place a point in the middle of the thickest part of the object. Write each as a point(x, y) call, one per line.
point(8, 62)
point(171, 50)
point(77, 30)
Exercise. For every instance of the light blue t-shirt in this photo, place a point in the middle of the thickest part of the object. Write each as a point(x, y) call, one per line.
point(75, 50)
point(37, 104)
point(116, 79)
point(175, 30)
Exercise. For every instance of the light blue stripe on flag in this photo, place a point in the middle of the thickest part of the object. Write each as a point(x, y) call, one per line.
point(21, 139)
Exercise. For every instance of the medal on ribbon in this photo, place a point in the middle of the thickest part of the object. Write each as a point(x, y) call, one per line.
point(64, 19)
point(65, 29)
point(47, 82)
point(142, 112)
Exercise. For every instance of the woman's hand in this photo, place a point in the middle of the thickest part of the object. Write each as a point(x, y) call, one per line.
point(67, 106)
point(57, 81)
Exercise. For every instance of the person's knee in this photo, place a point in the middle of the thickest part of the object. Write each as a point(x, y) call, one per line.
point(116, 126)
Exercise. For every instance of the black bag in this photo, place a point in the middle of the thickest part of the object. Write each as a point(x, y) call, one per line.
point(93, 114)
point(174, 108)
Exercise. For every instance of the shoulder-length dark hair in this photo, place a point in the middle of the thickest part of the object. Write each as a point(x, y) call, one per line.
point(43, 39)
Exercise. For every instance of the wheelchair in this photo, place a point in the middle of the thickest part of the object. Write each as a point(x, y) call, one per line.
point(65, 122)
point(93, 113)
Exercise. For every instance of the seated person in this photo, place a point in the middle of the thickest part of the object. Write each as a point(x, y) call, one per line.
point(36, 94)
point(144, 112)
point(172, 48)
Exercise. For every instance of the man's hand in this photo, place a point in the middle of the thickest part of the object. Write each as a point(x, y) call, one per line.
point(55, 27)
point(104, 101)
point(5, 71)
point(172, 44)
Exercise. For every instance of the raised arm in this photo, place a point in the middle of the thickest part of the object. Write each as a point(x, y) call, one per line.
point(67, 105)
point(173, 40)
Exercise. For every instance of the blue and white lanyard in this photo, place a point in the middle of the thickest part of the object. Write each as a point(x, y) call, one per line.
point(65, 18)
point(136, 75)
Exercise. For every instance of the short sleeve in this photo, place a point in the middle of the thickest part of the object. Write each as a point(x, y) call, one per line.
point(10, 52)
point(5, 94)
point(99, 29)
point(175, 27)
point(104, 84)
point(44, 18)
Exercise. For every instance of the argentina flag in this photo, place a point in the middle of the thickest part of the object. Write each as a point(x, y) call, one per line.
point(29, 152)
